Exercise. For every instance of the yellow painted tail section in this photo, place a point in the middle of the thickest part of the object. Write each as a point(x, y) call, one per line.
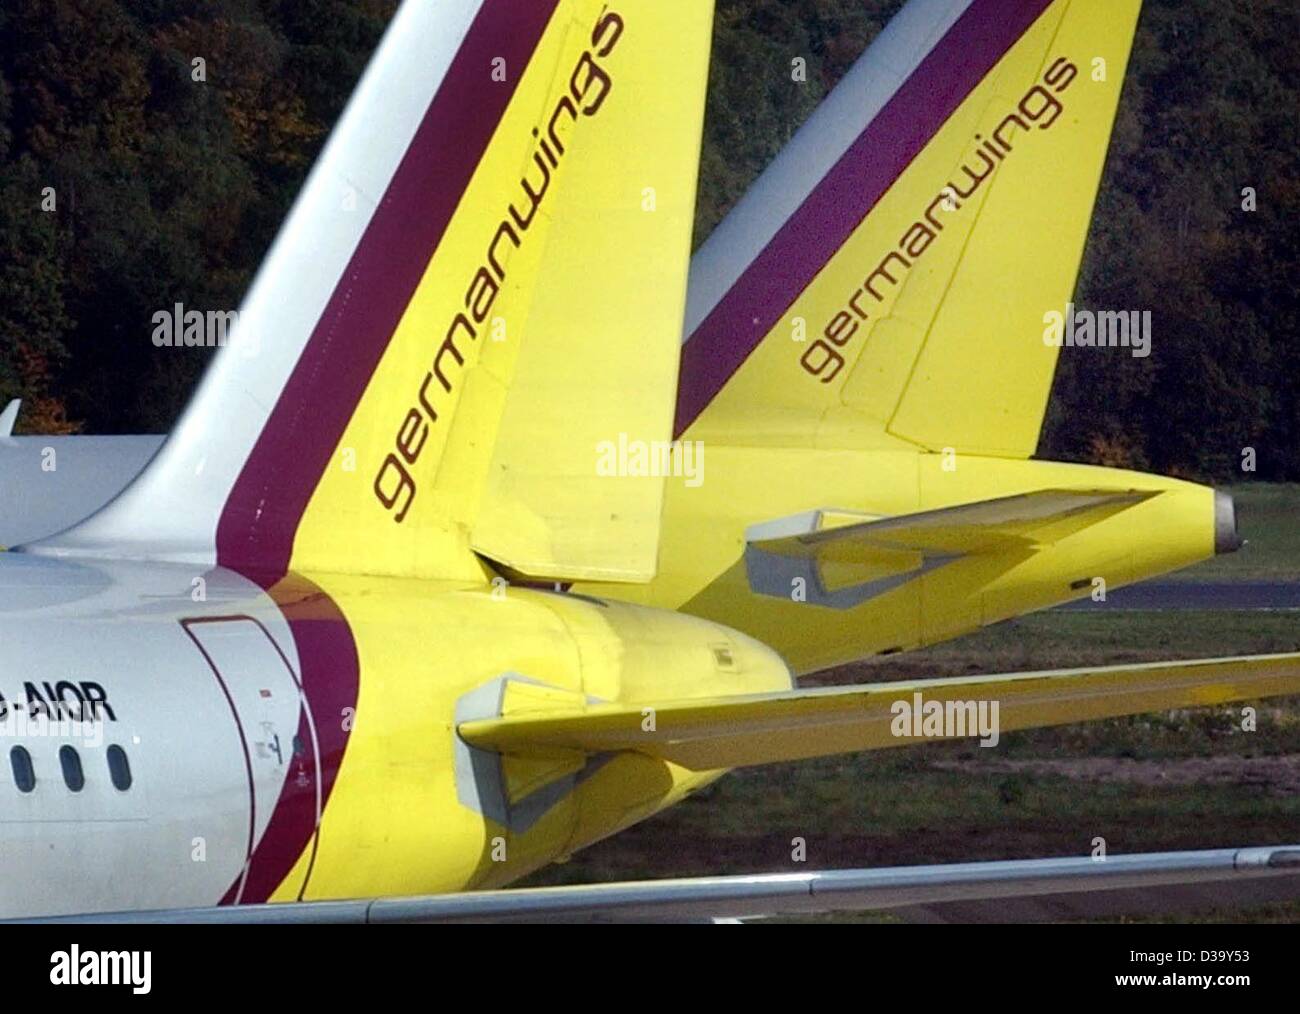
point(926, 325)
point(601, 330)
point(557, 289)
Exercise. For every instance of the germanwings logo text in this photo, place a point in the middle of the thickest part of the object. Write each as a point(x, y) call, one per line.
point(589, 84)
point(1039, 107)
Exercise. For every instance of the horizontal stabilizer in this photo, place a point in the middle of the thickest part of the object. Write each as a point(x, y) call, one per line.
point(738, 731)
point(49, 483)
point(840, 558)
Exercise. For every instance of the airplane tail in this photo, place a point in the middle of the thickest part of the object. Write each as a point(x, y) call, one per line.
point(491, 250)
point(887, 280)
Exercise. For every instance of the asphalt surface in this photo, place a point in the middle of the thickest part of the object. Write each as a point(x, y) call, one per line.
point(1267, 596)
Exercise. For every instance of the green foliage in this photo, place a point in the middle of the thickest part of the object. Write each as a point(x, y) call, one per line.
point(33, 317)
point(171, 191)
point(1209, 109)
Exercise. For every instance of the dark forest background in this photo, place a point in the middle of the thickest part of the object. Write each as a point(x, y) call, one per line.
point(170, 191)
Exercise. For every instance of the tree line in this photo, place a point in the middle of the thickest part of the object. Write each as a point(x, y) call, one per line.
point(126, 185)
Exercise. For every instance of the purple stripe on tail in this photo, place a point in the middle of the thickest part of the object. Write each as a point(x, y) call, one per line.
point(843, 198)
point(261, 515)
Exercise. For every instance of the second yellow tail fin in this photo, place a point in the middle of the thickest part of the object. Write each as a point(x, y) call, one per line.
point(897, 293)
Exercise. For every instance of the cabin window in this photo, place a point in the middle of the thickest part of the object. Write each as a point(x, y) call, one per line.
point(119, 768)
point(73, 777)
point(24, 775)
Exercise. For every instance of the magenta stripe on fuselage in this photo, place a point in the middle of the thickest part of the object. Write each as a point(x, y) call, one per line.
point(327, 657)
point(837, 205)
